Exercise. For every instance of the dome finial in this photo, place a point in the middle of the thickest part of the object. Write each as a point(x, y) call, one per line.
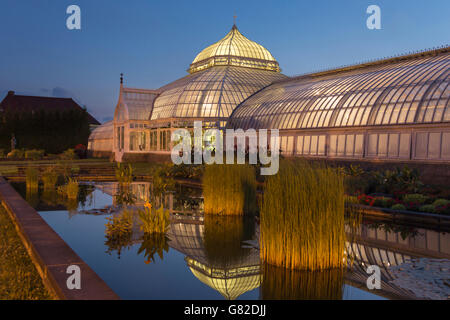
point(121, 78)
point(234, 21)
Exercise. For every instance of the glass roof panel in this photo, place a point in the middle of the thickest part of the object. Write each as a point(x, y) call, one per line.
point(214, 92)
point(406, 91)
point(235, 50)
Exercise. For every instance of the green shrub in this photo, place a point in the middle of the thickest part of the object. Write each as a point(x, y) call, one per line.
point(69, 154)
point(124, 173)
point(34, 154)
point(391, 181)
point(441, 202)
point(356, 180)
point(415, 198)
point(398, 206)
point(427, 208)
point(186, 171)
point(383, 202)
point(16, 154)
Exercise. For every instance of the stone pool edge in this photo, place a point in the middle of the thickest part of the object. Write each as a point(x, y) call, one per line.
point(50, 253)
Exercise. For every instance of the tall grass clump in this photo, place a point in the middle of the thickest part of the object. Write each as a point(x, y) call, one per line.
point(229, 189)
point(124, 173)
point(302, 217)
point(32, 178)
point(50, 178)
point(154, 220)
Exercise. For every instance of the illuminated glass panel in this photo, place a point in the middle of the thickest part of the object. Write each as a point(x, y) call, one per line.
point(411, 91)
point(235, 50)
point(101, 139)
point(136, 104)
point(212, 93)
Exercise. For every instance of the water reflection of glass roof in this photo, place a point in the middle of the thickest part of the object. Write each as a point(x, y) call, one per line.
point(404, 92)
point(230, 279)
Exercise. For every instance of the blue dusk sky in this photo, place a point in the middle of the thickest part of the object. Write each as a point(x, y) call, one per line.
point(153, 42)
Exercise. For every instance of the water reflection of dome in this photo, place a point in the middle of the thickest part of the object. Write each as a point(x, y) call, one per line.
point(230, 283)
point(231, 279)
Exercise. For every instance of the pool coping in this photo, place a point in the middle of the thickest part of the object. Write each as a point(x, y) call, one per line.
point(50, 253)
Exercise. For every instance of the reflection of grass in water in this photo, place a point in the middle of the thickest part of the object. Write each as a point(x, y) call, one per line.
point(223, 236)
point(69, 190)
point(283, 284)
point(71, 205)
point(229, 189)
point(302, 217)
point(353, 218)
point(50, 178)
point(32, 197)
point(154, 220)
point(119, 230)
point(72, 189)
point(50, 197)
point(32, 178)
point(125, 196)
point(154, 243)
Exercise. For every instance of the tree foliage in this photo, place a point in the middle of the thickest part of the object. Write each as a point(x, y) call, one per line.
point(52, 131)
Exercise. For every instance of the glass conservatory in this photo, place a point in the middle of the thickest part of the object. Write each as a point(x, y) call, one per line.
point(391, 109)
point(394, 109)
point(100, 141)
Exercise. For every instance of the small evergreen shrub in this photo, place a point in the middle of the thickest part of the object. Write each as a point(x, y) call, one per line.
point(427, 208)
point(69, 154)
point(398, 206)
point(415, 198)
point(34, 154)
point(441, 202)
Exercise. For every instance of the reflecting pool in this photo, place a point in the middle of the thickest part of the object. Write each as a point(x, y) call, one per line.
point(217, 257)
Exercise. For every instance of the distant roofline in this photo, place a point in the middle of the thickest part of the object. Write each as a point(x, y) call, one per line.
point(137, 90)
point(11, 94)
point(370, 63)
point(45, 97)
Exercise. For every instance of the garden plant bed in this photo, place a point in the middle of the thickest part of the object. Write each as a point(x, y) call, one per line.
point(416, 218)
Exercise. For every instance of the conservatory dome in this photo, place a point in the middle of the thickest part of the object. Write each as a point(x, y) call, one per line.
point(221, 77)
point(235, 50)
